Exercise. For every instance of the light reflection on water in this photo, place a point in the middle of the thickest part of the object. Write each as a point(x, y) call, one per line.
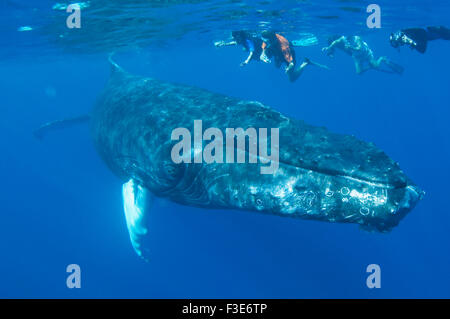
point(111, 25)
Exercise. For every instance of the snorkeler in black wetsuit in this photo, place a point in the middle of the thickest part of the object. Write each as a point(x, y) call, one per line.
point(417, 38)
point(250, 41)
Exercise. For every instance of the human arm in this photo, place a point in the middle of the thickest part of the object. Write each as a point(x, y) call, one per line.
point(329, 50)
point(248, 58)
point(251, 47)
point(263, 57)
point(408, 41)
point(222, 43)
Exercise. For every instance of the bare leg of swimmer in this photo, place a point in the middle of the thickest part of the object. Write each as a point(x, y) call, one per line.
point(294, 74)
point(359, 67)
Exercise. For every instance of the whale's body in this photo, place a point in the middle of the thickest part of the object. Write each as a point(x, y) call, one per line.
point(321, 176)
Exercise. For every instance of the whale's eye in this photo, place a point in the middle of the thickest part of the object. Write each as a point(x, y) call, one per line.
point(170, 170)
point(259, 202)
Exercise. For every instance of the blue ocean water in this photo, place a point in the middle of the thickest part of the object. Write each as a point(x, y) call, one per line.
point(60, 204)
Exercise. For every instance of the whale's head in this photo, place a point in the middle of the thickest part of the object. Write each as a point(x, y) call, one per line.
point(328, 177)
point(376, 197)
point(311, 194)
point(339, 178)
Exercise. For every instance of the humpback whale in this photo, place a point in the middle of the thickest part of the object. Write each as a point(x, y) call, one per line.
point(321, 175)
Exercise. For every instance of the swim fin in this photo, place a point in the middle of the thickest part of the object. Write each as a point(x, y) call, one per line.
point(307, 39)
point(316, 64)
point(394, 66)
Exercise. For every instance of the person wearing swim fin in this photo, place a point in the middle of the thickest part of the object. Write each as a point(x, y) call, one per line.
point(361, 53)
point(282, 51)
point(248, 40)
point(417, 38)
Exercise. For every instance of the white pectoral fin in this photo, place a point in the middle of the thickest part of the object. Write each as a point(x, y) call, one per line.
point(136, 204)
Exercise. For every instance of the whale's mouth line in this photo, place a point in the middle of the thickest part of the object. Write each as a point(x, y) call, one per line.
point(371, 183)
point(335, 173)
point(346, 177)
point(329, 172)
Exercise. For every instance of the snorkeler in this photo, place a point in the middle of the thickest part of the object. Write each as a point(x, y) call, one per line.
point(417, 38)
point(281, 50)
point(361, 53)
point(248, 40)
